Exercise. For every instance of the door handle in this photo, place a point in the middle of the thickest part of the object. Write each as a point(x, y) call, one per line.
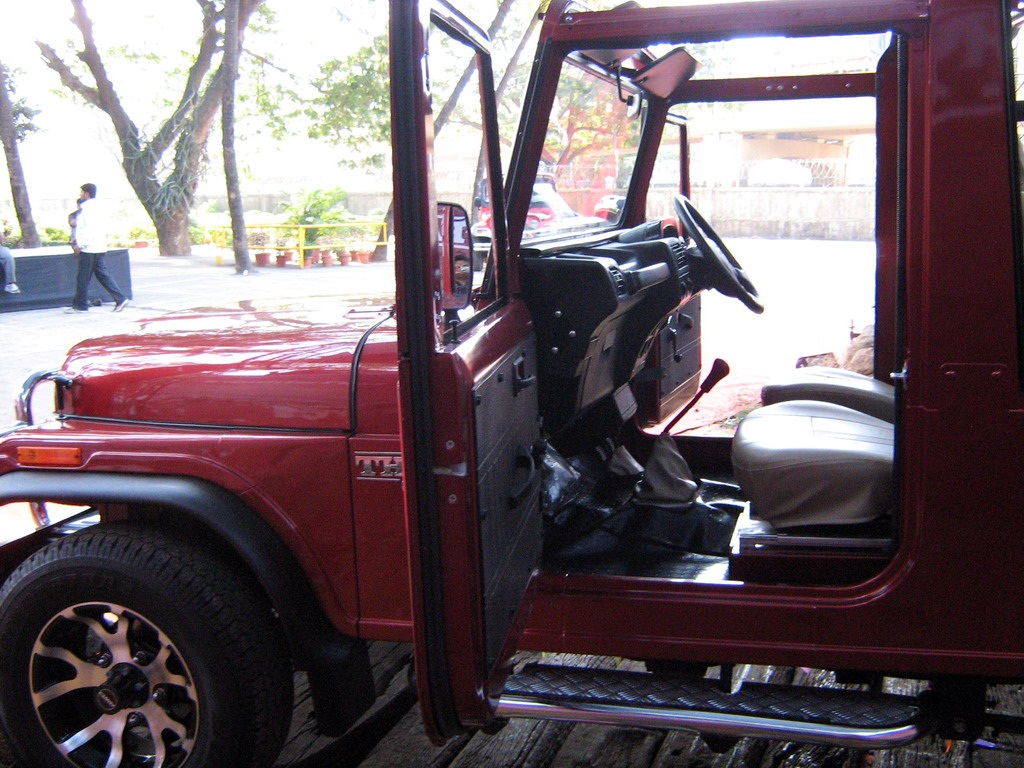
point(520, 379)
point(527, 467)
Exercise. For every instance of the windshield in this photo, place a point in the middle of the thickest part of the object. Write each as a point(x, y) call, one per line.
point(594, 128)
point(584, 171)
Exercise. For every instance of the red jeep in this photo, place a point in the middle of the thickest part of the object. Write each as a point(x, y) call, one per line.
point(493, 466)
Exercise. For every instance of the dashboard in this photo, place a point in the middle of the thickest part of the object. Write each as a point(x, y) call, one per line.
point(597, 309)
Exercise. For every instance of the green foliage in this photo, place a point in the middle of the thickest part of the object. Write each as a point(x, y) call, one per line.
point(198, 235)
point(55, 236)
point(23, 114)
point(352, 107)
point(364, 233)
point(272, 95)
point(321, 206)
point(267, 93)
point(142, 233)
point(7, 237)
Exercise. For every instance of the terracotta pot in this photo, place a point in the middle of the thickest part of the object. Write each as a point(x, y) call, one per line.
point(327, 258)
point(344, 257)
point(262, 259)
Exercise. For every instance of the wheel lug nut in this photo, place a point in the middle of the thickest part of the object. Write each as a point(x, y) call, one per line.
point(103, 660)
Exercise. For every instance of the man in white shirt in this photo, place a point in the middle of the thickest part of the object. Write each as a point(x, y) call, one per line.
point(90, 236)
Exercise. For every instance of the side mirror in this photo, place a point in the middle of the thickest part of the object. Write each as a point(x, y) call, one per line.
point(455, 246)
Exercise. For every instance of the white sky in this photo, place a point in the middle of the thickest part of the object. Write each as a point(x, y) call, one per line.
point(306, 26)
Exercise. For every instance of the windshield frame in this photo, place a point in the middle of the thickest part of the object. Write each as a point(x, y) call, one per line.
point(571, 32)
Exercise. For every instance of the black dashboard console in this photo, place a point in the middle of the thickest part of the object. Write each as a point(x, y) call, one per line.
point(597, 310)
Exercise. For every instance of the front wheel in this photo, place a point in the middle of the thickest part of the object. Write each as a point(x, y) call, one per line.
point(126, 647)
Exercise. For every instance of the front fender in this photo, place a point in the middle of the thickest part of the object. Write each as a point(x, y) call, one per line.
point(252, 540)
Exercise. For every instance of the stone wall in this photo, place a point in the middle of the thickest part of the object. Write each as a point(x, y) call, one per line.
point(807, 213)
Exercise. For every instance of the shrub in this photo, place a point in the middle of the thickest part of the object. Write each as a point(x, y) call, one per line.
point(55, 236)
point(141, 233)
point(198, 235)
point(321, 206)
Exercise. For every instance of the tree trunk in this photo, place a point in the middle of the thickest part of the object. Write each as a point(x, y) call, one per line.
point(172, 232)
point(227, 113)
point(19, 190)
point(380, 251)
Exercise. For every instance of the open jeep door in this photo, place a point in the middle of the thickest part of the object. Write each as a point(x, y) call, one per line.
point(469, 415)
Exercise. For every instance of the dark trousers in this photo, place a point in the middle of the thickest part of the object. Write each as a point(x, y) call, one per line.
point(90, 264)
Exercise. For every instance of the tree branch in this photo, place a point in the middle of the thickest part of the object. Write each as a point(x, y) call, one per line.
point(206, 108)
point(70, 80)
point(189, 155)
point(109, 102)
point(208, 47)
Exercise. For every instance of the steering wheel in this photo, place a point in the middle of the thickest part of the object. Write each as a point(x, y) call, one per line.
point(726, 274)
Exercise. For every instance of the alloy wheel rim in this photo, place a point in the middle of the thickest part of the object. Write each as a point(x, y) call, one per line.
point(111, 690)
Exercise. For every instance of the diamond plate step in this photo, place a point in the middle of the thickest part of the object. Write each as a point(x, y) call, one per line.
point(792, 713)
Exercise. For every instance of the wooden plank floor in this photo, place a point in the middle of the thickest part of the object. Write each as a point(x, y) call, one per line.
point(391, 736)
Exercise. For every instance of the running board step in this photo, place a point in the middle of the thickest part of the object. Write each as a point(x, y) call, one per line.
point(789, 713)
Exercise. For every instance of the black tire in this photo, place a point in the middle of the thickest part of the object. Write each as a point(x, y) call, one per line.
point(121, 637)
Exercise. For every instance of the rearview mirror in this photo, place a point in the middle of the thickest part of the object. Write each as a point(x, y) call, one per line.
point(455, 244)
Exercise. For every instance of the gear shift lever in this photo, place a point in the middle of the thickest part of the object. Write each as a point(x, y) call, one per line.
point(719, 370)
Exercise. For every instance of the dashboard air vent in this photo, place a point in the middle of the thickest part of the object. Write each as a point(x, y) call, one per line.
point(682, 265)
point(619, 280)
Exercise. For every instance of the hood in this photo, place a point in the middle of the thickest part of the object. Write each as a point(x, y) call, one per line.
point(259, 365)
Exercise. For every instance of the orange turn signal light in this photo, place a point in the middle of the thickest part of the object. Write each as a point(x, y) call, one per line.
point(49, 456)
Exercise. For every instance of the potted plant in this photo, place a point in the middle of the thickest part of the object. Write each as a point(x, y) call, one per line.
point(141, 237)
point(285, 251)
point(330, 245)
point(363, 251)
point(309, 210)
point(258, 240)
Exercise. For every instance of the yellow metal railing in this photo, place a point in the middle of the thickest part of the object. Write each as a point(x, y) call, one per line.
point(309, 242)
